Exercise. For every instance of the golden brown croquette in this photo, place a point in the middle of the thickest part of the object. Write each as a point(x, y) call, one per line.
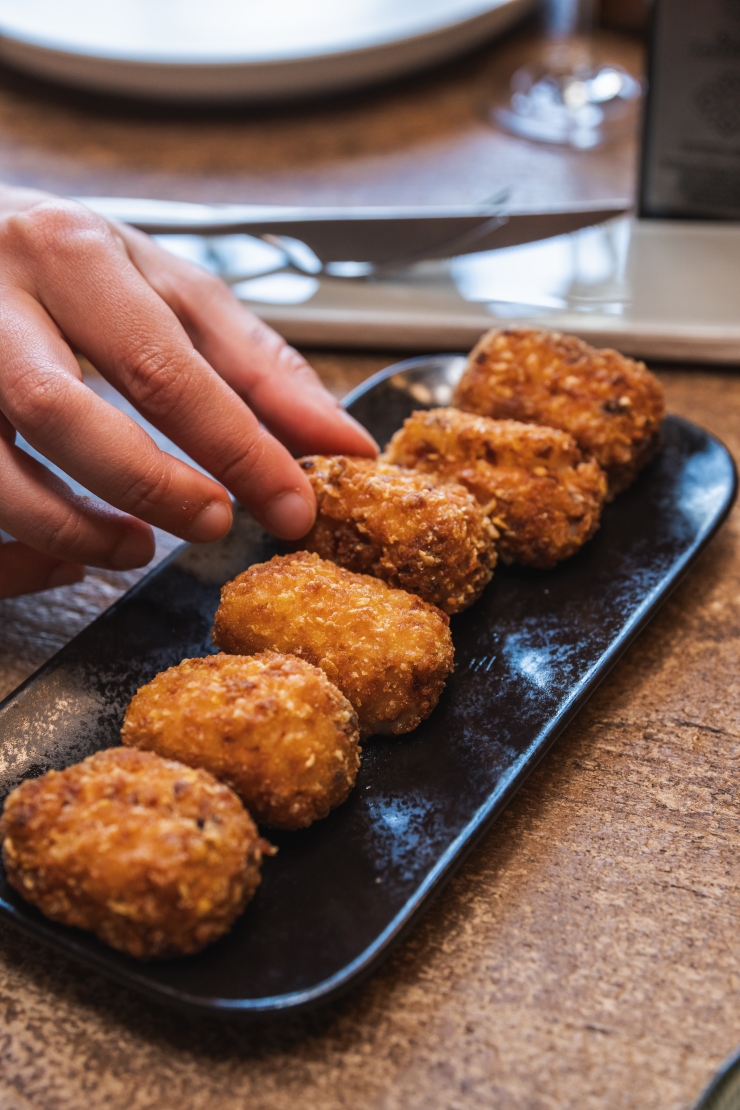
point(388, 651)
point(610, 404)
point(271, 726)
point(402, 526)
point(545, 499)
point(155, 858)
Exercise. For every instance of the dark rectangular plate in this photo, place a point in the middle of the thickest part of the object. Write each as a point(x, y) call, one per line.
point(529, 653)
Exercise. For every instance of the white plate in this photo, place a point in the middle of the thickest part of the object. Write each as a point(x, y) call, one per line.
point(246, 49)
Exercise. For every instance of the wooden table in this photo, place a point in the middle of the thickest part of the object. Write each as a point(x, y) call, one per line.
point(586, 955)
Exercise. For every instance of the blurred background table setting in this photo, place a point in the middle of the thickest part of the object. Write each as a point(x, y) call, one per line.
point(377, 180)
point(623, 282)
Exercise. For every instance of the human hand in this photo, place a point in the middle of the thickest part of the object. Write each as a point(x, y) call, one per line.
point(192, 360)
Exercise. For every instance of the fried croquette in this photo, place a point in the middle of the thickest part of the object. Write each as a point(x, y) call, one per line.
point(155, 858)
point(388, 651)
point(545, 499)
point(611, 405)
point(402, 526)
point(271, 726)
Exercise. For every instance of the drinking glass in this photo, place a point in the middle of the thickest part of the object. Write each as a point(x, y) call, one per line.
point(567, 96)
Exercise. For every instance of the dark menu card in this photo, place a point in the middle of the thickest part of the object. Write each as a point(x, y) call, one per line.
point(691, 151)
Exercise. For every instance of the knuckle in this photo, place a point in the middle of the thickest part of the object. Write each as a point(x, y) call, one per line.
point(55, 227)
point(293, 364)
point(62, 537)
point(282, 358)
point(238, 465)
point(149, 489)
point(289, 358)
point(159, 379)
point(37, 401)
point(264, 338)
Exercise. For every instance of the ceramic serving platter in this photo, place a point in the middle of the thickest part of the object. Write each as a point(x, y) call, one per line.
point(339, 895)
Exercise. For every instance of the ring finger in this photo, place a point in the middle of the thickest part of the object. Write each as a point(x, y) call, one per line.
point(39, 510)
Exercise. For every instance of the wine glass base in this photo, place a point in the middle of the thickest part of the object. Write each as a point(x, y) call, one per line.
point(583, 106)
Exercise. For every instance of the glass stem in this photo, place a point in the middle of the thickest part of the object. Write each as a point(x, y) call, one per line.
point(567, 18)
point(568, 25)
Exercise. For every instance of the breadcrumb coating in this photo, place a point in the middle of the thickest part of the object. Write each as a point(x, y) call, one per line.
point(388, 651)
point(271, 726)
point(402, 526)
point(610, 404)
point(155, 858)
point(545, 499)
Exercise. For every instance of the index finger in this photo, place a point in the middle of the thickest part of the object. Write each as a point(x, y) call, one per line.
point(284, 391)
point(82, 275)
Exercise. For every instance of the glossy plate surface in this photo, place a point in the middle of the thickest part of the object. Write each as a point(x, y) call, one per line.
point(529, 654)
point(190, 50)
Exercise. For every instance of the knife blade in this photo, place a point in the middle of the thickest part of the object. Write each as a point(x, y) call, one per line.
point(380, 235)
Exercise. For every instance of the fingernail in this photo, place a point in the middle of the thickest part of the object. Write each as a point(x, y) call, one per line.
point(211, 523)
point(135, 550)
point(289, 515)
point(66, 574)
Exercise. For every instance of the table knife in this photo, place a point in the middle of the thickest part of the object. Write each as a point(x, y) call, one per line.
point(378, 235)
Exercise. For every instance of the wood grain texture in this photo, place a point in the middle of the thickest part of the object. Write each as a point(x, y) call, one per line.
point(425, 140)
point(586, 955)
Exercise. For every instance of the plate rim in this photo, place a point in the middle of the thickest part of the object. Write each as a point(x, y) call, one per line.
point(473, 10)
point(258, 80)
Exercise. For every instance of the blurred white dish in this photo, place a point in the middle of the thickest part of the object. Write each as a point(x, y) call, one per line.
point(653, 288)
point(240, 49)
